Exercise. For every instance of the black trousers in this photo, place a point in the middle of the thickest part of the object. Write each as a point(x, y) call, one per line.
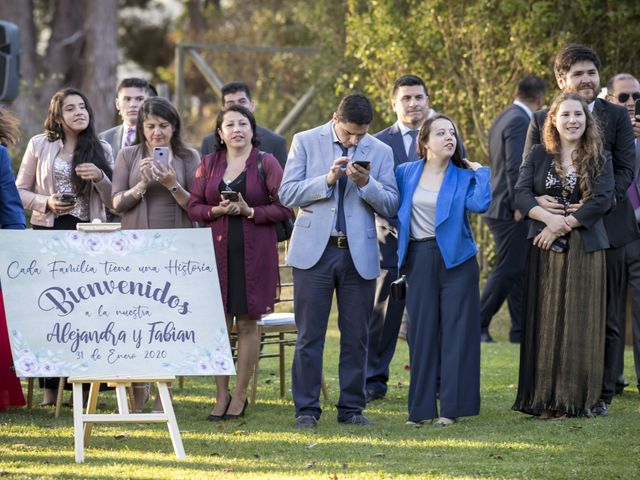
point(506, 280)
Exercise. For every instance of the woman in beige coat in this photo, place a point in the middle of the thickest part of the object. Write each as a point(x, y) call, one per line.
point(65, 175)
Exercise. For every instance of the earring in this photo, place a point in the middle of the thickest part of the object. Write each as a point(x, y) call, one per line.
point(221, 142)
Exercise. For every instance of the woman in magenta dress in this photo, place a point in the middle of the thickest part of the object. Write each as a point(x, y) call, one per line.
point(11, 217)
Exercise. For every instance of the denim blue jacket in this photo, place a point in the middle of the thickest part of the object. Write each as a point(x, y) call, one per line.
point(462, 190)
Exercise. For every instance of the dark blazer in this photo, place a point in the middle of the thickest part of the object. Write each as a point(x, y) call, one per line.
point(113, 137)
point(617, 138)
point(11, 210)
point(270, 142)
point(506, 145)
point(387, 228)
point(531, 183)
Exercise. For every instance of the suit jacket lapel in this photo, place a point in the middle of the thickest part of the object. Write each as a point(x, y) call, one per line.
point(397, 144)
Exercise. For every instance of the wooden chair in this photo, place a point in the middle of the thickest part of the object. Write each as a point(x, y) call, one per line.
point(58, 396)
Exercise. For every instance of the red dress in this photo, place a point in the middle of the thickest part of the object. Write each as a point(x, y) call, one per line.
point(10, 388)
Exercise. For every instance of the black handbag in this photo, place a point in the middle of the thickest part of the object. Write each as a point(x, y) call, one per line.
point(285, 227)
point(398, 288)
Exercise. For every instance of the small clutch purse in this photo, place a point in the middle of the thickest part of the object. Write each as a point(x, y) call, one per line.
point(399, 288)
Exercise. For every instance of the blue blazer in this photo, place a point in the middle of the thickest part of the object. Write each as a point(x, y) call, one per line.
point(462, 190)
point(11, 210)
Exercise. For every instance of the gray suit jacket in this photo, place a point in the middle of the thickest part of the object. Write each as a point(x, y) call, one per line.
point(270, 142)
point(113, 137)
point(304, 185)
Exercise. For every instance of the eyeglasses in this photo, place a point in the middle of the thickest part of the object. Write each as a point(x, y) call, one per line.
point(623, 97)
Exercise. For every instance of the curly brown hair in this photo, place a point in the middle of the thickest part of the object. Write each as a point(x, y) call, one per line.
point(588, 158)
point(9, 128)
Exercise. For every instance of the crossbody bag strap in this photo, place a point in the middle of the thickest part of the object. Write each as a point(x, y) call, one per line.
point(261, 175)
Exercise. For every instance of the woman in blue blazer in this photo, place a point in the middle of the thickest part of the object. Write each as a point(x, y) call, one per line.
point(436, 251)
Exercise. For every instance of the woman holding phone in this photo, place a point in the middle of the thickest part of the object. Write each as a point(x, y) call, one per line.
point(65, 175)
point(151, 183)
point(562, 353)
point(241, 208)
point(437, 252)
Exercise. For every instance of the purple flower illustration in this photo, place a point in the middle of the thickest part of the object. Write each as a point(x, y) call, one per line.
point(136, 238)
point(26, 364)
point(119, 245)
point(48, 369)
point(93, 244)
point(73, 237)
point(204, 367)
point(221, 363)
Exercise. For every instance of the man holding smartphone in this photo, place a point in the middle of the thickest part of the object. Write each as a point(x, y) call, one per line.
point(624, 89)
point(333, 248)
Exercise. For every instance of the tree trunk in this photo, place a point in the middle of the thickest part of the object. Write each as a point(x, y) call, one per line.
point(101, 60)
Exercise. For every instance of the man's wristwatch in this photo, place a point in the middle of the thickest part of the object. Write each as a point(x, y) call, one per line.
point(175, 188)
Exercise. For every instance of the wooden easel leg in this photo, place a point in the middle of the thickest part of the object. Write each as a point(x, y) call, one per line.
point(181, 382)
point(59, 396)
point(281, 357)
point(172, 423)
point(30, 392)
point(91, 408)
point(325, 390)
point(78, 435)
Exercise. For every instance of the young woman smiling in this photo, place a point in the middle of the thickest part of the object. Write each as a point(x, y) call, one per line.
point(562, 353)
point(436, 251)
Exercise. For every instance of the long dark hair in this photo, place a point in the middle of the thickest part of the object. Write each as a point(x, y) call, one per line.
point(88, 147)
point(219, 144)
point(163, 108)
point(9, 128)
point(423, 138)
point(588, 158)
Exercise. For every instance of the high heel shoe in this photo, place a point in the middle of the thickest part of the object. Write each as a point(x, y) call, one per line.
point(217, 418)
point(230, 416)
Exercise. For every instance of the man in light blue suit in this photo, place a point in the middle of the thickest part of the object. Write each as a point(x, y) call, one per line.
point(339, 176)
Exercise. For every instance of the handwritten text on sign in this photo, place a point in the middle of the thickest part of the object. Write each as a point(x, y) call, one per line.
point(134, 302)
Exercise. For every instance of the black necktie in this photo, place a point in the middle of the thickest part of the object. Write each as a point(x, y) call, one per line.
point(413, 152)
point(341, 224)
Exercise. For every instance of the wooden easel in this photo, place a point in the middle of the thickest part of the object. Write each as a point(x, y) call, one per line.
point(83, 422)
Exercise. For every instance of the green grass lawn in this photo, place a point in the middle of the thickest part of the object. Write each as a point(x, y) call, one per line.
point(499, 443)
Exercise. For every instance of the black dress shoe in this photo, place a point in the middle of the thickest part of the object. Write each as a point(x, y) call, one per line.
point(620, 386)
point(486, 338)
point(306, 421)
point(230, 416)
point(218, 418)
point(372, 395)
point(601, 409)
point(357, 419)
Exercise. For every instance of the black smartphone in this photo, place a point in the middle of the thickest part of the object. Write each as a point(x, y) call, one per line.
point(68, 197)
point(637, 111)
point(363, 163)
point(230, 195)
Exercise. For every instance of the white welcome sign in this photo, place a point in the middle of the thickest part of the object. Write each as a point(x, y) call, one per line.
point(133, 302)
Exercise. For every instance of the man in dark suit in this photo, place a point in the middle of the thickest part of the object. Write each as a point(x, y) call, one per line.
point(411, 103)
point(509, 230)
point(238, 93)
point(624, 89)
point(577, 69)
point(130, 95)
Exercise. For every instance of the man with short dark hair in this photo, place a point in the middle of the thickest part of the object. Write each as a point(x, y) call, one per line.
point(130, 95)
point(624, 89)
point(506, 144)
point(577, 69)
point(410, 101)
point(239, 93)
point(338, 175)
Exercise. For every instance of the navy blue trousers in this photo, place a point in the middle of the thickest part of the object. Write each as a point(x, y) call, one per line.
point(312, 296)
point(443, 334)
